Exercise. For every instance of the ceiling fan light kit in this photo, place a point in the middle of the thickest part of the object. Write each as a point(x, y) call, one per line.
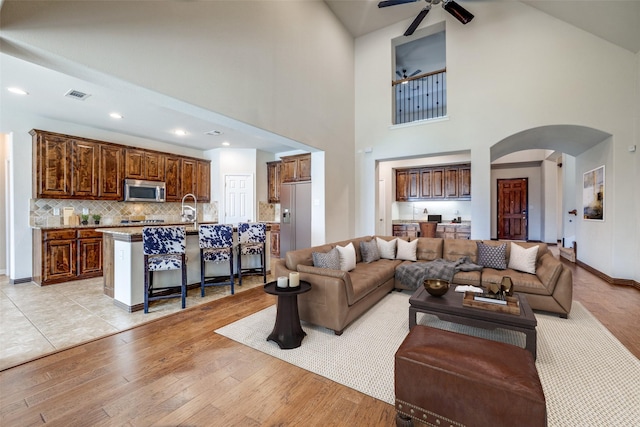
point(457, 11)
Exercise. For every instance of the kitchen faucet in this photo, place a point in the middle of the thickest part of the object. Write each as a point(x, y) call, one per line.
point(191, 213)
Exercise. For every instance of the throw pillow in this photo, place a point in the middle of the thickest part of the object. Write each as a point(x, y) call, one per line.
point(347, 257)
point(407, 250)
point(522, 259)
point(492, 256)
point(329, 259)
point(386, 249)
point(369, 251)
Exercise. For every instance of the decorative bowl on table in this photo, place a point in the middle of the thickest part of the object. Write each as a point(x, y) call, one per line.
point(436, 287)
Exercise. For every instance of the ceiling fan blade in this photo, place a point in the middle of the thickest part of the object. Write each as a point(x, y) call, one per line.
point(399, 73)
point(417, 21)
point(388, 3)
point(415, 73)
point(459, 12)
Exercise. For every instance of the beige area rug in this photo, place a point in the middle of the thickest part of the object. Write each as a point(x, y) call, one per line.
point(589, 378)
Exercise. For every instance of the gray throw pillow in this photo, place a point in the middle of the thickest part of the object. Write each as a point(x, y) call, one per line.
point(492, 256)
point(329, 259)
point(369, 251)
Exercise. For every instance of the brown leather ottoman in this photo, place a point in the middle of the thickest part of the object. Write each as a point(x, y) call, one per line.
point(447, 379)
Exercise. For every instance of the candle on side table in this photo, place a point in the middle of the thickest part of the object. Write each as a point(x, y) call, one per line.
point(282, 282)
point(294, 279)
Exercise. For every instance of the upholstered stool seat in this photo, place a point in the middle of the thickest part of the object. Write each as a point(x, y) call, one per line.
point(216, 246)
point(450, 379)
point(252, 240)
point(164, 249)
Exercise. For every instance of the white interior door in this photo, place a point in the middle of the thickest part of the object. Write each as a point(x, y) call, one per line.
point(238, 197)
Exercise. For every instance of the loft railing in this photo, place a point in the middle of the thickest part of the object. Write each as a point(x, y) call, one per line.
point(421, 97)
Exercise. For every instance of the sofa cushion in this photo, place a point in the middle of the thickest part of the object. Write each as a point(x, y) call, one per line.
point(467, 278)
point(523, 259)
point(347, 257)
point(406, 250)
point(429, 248)
point(492, 256)
point(522, 282)
point(454, 249)
point(329, 259)
point(368, 277)
point(369, 251)
point(387, 249)
point(548, 270)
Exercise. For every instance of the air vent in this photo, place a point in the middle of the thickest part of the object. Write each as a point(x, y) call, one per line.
point(76, 94)
point(213, 132)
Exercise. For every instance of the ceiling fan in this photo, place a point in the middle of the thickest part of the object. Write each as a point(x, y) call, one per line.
point(459, 12)
point(403, 74)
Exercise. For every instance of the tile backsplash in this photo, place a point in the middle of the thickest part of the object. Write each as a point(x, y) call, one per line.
point(269, 212)
point(41, 211)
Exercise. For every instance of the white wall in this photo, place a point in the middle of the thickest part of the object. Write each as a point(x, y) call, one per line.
point(504, 76)
point(4, 158)
point(286, 67)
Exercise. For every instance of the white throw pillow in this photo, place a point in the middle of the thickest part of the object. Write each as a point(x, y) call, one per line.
point(386, 249)
point(347, 257)
point(407, 250)
point(523, 259)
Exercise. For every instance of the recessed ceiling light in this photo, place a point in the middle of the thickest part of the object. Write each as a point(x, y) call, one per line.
point(115, 115)
point(213, 132)
point(226, 144)
point(180, 132)
point(17, 91)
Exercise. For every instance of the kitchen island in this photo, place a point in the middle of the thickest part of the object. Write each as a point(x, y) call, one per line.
point(123, 271)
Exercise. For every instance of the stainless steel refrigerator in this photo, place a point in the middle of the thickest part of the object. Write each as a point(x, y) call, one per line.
point(295, 221)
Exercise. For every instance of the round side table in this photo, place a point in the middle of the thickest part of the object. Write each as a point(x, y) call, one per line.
point(287, 332)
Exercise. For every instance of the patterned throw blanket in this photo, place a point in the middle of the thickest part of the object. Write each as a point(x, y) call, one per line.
point(412, 275)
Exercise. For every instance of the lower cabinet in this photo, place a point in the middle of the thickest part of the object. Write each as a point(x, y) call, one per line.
point(275, 240)
point(449, 231)
point(66, 254)
point(406, 230)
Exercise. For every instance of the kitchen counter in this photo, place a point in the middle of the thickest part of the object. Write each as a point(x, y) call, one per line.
point(118, 225)
point(123, 271)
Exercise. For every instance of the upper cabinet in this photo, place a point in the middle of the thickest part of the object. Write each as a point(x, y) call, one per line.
point(450, 182)
point(274, 179)
point(143, 164)
point(68, 167)
point(296, 168)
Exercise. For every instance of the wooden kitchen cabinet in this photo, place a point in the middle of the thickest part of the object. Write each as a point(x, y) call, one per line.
point(52, 164)
point(173, 181)
point(67, 254)
point(406, 230)
point(68, 167)
point(188, 176)
point(451, 182)
point(274, 180)
point(203, 181)
point(296, 168)
point(143, 164)
point(89, 244)
point(275, 240)
point(111, 176)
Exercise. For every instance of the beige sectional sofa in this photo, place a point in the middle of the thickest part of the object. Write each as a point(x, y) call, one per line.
point(338, 297)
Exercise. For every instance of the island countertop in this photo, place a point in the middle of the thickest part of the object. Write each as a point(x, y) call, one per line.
point(134, 233)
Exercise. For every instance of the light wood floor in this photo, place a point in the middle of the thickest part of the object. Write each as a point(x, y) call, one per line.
point(177, 371)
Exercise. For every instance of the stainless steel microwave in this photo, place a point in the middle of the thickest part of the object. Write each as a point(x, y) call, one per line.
point(137, 190)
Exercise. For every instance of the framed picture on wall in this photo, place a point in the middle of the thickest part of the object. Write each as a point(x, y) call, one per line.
point(593, 194)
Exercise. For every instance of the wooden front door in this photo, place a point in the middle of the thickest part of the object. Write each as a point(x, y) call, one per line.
point(512, 209)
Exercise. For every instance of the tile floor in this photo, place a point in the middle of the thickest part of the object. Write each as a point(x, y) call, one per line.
point(35, 320)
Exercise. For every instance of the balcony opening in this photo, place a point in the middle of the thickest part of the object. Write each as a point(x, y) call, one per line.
point(419, 79)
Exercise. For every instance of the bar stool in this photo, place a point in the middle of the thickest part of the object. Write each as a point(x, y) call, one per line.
point(252, 240)
point(216, 245)
point(164, 249)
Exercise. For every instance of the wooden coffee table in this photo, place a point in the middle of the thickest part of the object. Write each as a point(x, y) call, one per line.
point(449, 308)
